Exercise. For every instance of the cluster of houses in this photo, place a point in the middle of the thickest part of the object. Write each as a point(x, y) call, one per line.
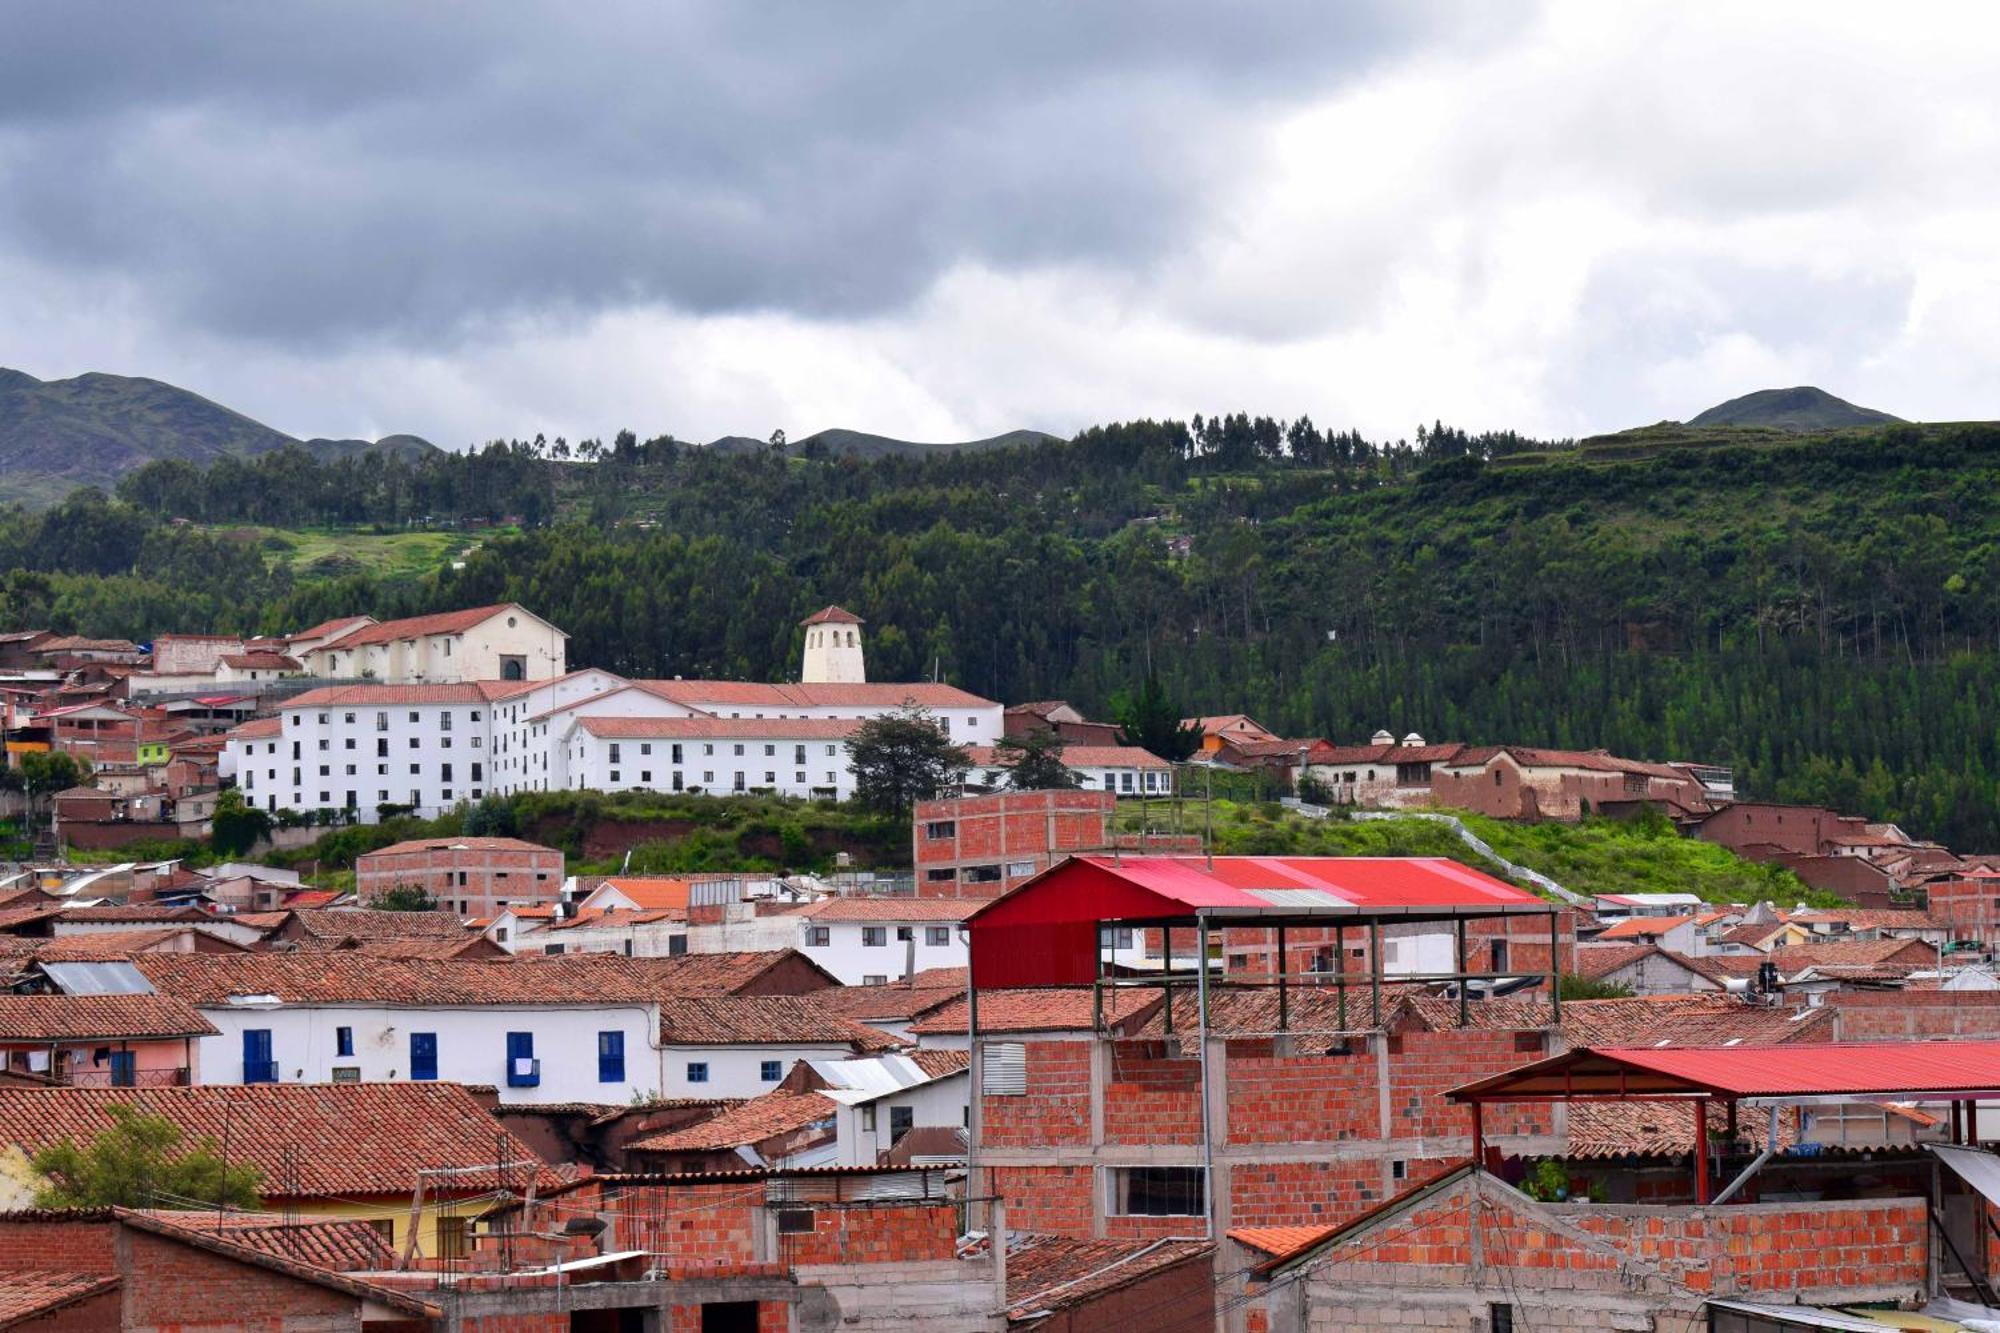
point(1147, 1089)
point(1068, 1076)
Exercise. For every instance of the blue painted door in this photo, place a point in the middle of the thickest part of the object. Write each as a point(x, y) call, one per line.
point(258, 1066)
point(424, 1055)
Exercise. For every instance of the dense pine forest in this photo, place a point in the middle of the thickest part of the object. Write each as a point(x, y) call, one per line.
point(1822, 612)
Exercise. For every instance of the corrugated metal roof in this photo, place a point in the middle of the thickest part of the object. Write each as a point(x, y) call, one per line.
point(1357, 882)
point(1805, 1069)
point(97, 978)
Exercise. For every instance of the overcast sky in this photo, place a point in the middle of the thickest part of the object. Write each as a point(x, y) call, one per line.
point(941, 220)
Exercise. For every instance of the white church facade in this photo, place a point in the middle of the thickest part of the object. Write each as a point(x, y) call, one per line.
point(431, 746)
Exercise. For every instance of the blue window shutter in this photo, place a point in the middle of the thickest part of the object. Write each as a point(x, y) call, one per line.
point(610, 1057)
point(522, 1069)
point(423, 1056)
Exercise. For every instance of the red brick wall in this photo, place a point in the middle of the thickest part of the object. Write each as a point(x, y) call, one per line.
point(1915, 1015)
point(437, 872)
point(1428, 1064)
point(1151, 1098)
point(1036, 826)
point(1046, 1198)
point(85, 1247)
point(879, 1233)
point(1972, 906)
point(170, 1285)
point(1300, 1099)
point(1784, 1247)
point(1056, 1107)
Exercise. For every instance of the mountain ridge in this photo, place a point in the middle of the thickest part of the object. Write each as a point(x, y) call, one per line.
point(92, 429)
point(1801, 408)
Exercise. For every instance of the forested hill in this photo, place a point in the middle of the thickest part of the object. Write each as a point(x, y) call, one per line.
point(1821, 611)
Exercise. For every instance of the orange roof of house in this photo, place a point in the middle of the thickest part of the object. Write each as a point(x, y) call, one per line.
point(386, 1132)
point(708, 695)
point(88, 1017)
point(1641, 927)
point(1280, 1241)
point(833, 615)
point(257, 729)
point(30, 1293)
point(745, 1124)
point(1074, 756)
point(891, 909)
point(652, 892)
point(750, 1020)
point(416, 627)
point(722, 728)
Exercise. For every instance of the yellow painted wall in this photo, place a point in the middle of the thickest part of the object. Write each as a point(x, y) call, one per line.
point(18, 1183)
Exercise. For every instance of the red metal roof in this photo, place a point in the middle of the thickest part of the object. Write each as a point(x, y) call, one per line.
point(1045, 932)
point(1806, 1069)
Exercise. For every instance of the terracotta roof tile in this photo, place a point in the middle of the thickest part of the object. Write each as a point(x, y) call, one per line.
point(1078, 756)
point(1038, 1009)
point(343, 975)
point(729, 1020)
point(652, 891)
point(833, 615)
point(1602, 960)
point(257, 729)
point(892, 909)
point(82, 1017)
point(28, 1293)
point(698, 728)
point(1280, 1242)
point(710, 694)
point(366, 924)
point(1643, 927)
point(385, 1131)
point(342, 1246)
point(415, 627)
point(375, 696)
point(109, 946)
point(876, 1004)
point(745, 1124)
point(1053, 1272)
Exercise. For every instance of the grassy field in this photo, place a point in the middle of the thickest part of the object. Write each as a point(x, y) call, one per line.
point(1596, 856)
point(332, 552)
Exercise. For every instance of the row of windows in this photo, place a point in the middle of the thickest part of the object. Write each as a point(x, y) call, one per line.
point(523, 1070)
point(382, 719)
point(708, 748)
point(820, 937)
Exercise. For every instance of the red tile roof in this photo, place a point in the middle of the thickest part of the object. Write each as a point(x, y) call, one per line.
point(1280, 1241)
point(1035, 1009)
point(891, 909)
point(257, 729)
point(710, 694)
point(890, 1003)
point(368, 923)
point(326, 627)
point(342, 975)
point(375, 696)
point(700, 728)
point(744, 1125)
point(340, 1245)
point(1673, 1020)
point(110, 946)
point(385, 1132)
point(1074, 756)
point(788, 1020)
point(1600, 761)
point(1050, 1273)
point(27, 1294)
point(1602, 960)
point(651, 891)
point(416, 627)
point(260, 662)
point(833, 615)
point(1643, 927)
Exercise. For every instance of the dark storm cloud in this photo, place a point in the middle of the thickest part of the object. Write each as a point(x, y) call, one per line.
point(317, 173)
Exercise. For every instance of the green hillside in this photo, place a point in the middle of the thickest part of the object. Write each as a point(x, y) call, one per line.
point(1820, 611)
point(93, 429)
point(1800, 409)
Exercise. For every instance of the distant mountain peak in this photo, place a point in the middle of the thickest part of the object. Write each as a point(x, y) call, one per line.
point(93, 428)
point(1801, 408)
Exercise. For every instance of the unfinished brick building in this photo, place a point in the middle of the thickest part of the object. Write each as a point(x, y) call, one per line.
point(469, 876)
point(984, 846)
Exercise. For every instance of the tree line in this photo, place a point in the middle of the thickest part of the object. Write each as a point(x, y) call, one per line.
point(1824, 615)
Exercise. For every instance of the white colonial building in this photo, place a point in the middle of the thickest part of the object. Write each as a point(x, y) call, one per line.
point(432, 745)
point(506, 642)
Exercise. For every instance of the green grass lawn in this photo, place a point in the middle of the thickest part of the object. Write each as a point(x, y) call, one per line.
point(335, 551)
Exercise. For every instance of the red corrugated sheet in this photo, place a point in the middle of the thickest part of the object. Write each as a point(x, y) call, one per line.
point(1813, 1069)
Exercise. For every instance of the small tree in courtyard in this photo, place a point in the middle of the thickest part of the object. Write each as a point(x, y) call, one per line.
point(1034, 762)
point(140, 1161)
point(902, 758)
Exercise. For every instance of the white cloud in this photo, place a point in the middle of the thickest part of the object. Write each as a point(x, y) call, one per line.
point(1615, 214)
